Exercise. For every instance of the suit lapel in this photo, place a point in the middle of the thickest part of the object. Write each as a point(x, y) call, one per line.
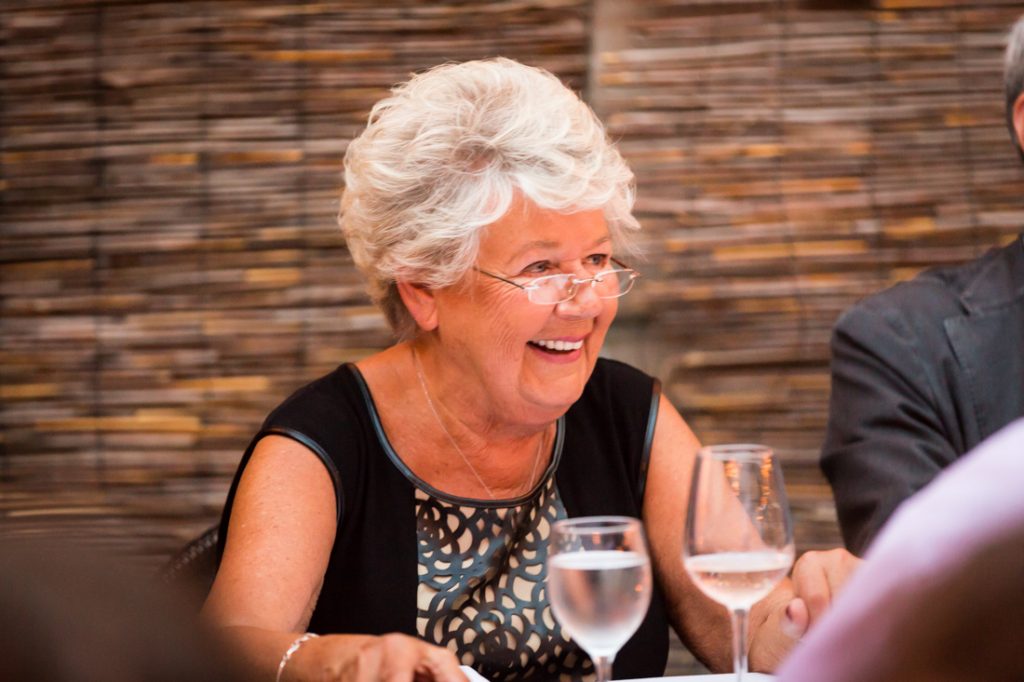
point(989, 341)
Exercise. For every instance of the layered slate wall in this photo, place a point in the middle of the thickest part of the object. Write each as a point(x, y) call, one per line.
point(170, 267)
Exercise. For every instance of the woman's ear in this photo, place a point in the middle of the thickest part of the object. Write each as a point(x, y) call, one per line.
point(1018, 120)
point(420, 302)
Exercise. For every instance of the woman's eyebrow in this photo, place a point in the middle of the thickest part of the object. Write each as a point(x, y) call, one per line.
point(529, 246)
point(549, 244)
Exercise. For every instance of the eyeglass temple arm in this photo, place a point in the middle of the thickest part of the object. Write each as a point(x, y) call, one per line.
point(633, 272)
point(499, 277)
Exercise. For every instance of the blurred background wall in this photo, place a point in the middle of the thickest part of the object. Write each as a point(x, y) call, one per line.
point(171, 268)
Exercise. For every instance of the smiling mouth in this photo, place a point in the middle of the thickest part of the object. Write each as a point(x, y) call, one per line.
point(557, 347)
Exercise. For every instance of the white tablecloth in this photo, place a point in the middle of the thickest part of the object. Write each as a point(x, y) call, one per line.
point(749, 677)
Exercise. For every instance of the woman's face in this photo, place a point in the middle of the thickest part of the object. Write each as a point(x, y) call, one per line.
point(501, 343)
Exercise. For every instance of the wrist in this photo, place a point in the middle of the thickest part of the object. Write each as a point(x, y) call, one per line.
point(291, 651)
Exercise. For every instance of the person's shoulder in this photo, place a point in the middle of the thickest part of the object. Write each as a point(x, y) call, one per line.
point(612, 372)
point(923, 302)
point(907, 311)
point(934, 291)
point(319, 395)
point(614, 384)
point(958, 279)
point(939, 293)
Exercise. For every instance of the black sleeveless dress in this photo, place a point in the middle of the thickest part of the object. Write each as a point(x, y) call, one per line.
point(465, 573)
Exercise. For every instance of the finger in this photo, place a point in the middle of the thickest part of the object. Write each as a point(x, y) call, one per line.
point(368, 662)
point(844, 566)
point(441, 665)
point(402, 657)
point(811, 584)
point(796, 619)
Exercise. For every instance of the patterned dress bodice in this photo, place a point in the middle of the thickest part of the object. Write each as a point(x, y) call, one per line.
point(482, 586)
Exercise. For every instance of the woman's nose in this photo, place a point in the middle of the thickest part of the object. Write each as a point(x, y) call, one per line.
point(585, 303)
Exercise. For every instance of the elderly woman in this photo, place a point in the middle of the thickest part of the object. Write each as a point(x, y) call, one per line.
point(400, 507)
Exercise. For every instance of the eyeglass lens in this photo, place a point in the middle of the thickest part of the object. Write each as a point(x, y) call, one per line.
point(559, 288)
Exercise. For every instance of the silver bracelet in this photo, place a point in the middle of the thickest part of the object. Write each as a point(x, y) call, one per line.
point(291, 650)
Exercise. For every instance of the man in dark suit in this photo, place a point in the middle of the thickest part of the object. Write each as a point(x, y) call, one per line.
point(924, 371)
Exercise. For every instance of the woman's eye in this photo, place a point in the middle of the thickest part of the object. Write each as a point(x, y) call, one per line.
point(538, 268)
point(597, 259)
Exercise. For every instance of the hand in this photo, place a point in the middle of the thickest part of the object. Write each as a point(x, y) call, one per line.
point(817, 579)
point(391, 658)
point(784, 616)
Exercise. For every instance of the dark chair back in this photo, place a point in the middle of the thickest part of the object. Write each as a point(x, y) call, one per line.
point(194, 567)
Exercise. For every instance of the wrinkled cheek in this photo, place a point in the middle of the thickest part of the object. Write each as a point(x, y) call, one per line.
point(604, 321)
point(611, 309)
point(509, 343)
point(512, 326)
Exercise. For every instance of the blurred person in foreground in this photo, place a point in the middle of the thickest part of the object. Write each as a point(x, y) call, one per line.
point(926, 370)
point(940, 596)
point(68, 615)
point(400, 507)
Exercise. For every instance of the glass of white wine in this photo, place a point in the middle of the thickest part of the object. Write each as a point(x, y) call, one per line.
point(739, 536)
point(599, 583)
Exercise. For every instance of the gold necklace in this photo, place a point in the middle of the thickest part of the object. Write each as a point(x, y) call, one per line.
point(469, 465)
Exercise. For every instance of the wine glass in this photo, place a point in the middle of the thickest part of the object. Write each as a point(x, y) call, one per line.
point(739, 537)
point(599, 583)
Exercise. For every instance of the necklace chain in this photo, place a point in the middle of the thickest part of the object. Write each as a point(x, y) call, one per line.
point(469, 465)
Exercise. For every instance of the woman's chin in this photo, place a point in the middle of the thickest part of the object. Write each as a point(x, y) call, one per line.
point(556, 394)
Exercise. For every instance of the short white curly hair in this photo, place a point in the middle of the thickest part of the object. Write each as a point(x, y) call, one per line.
point(444, 156)
point(1013, 76)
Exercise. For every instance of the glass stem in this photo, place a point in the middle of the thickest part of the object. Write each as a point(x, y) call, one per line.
point(603, 667)
point(739, 643)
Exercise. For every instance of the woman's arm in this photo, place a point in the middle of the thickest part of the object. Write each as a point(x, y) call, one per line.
point(280, 535)
point(701, 623)
point(776, 621)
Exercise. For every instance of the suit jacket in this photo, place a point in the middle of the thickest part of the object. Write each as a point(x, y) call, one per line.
point(921, 373)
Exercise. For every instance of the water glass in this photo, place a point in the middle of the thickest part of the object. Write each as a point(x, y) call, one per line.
point(599, 583)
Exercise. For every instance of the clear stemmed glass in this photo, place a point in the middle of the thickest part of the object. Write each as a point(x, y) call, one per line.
point(739, 536)
point(599, 583)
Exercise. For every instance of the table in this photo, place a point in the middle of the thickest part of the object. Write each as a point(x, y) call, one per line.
point(727, 677)
point(749, 677)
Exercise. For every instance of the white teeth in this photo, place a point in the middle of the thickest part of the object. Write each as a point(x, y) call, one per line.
point(560, 345)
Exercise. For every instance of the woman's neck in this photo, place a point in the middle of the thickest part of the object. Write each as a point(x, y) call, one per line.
point(457, 446)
